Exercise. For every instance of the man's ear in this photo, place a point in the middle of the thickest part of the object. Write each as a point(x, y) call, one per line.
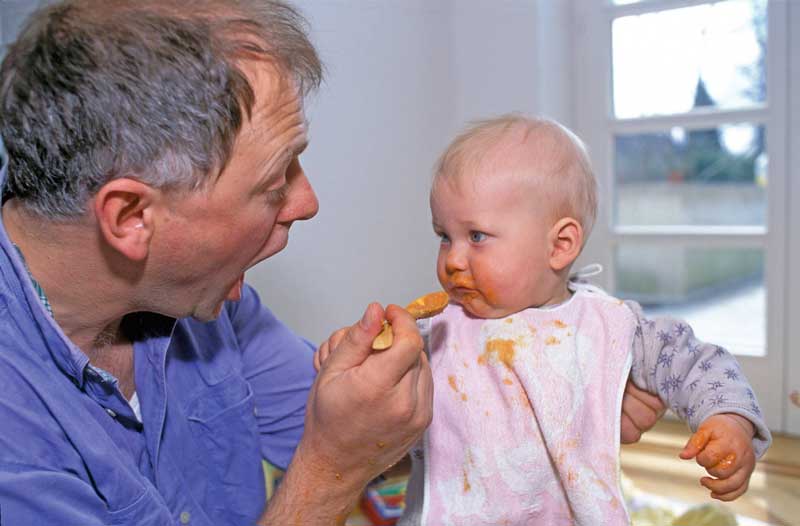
point(566, 241)
point(124, 211)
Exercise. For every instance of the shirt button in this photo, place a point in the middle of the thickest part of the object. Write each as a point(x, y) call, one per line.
point(185, 517)
point(111, 413)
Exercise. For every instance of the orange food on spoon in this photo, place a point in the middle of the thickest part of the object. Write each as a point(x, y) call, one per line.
point(422, 307)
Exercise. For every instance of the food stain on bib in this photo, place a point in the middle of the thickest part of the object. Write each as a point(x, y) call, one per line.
point(499, 350)
point(453, 381)
point(467, 485)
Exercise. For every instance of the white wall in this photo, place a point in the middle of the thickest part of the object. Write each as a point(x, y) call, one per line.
point(403, 77)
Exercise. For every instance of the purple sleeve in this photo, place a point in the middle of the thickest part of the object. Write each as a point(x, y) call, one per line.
point(693, 378)
point(279, 367)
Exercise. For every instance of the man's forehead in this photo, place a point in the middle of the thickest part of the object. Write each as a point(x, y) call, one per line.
point(278, 107)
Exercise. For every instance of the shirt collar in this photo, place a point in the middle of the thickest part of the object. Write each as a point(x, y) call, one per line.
point(18, 284)
point(67, 355)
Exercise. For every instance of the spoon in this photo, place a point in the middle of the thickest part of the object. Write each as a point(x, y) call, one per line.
point(422, 307)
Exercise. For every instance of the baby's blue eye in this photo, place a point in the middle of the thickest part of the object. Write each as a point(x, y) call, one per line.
point(444, 238)
point(476, 237)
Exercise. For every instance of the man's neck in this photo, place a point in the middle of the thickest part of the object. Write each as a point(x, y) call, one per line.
point(65, 260)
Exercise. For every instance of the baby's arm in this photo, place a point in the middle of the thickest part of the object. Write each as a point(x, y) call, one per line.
point(704, 385)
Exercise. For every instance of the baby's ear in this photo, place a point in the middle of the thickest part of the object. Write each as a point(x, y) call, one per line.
point(566, 241)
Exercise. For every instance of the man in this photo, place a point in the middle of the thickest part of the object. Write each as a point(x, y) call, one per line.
point(153, 157)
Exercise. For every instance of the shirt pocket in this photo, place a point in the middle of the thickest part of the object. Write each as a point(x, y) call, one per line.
point(147, 510)
point(222, 418)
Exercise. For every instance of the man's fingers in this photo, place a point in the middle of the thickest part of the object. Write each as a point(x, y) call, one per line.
point(697, 443)
point(628, 432)
point(426, 389)
point(418, 384)
point(336, 338)
point(650, 400)
point(640, 412)
point(355, 345)
point(393, 363)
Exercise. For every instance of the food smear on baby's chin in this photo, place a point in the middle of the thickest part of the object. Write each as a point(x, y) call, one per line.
point(468, 296)
point(500, 351)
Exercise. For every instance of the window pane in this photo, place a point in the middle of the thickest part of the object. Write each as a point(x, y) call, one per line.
point(702, 56)
point(715, 176)
point(718, 291)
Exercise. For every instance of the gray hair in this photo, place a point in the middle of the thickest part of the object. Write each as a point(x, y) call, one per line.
point(93, 90)
point(561, 155)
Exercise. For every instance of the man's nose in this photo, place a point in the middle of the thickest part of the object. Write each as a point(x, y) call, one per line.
point(303, 203)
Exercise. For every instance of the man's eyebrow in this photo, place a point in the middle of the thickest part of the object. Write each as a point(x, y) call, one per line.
point(301, 147)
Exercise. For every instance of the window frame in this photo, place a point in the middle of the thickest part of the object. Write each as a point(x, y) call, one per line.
point(595, 122)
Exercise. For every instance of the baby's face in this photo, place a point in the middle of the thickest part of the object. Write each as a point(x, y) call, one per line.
point(493, 256)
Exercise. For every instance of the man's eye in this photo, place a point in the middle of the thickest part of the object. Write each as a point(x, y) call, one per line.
point(278, 195)
point(476, 237)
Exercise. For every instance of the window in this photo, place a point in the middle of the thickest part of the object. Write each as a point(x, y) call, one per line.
point(683, 106)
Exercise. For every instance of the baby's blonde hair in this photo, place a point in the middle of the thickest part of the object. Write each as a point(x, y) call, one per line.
point(564, 172)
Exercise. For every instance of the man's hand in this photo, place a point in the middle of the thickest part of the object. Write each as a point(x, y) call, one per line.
point(325, 349)
point(640, 412)
point(723, 444)
point(365, 411)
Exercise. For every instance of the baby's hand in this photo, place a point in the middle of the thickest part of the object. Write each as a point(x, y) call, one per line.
point(723, 444)
point(325, 349)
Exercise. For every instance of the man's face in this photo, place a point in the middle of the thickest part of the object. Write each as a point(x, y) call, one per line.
point(242, 218)
point(493, 254)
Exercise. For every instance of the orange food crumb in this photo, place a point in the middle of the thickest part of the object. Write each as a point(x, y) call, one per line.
point(501, 350)
point(452, 381)
point(700, 439)
point(727, 462)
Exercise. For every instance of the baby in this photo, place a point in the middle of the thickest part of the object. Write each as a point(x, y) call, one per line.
point(529, 366)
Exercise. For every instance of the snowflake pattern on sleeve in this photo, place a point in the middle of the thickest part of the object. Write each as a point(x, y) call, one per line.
point(694, 379)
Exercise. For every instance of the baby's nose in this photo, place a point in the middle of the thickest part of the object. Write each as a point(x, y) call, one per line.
point(456, 259)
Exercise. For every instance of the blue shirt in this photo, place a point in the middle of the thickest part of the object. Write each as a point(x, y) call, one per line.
point(215, 397)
